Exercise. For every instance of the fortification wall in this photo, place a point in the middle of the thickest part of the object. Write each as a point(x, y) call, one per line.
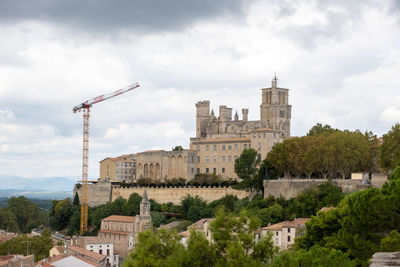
point(175, 194)
point(99, 193)
point(289, 188)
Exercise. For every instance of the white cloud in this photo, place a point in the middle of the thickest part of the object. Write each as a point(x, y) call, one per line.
point(340, 60)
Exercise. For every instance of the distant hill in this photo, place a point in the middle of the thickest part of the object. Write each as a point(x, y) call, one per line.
point(42, 184)
point(40, 188)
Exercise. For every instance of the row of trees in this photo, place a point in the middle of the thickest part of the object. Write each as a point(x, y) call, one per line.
point(331, 153)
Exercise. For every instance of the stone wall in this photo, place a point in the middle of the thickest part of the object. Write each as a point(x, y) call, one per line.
point(289, 188)
point(99, 193)
point(175, 194)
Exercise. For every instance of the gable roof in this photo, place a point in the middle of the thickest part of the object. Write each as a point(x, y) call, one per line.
point(200, 223)
point(88, 253)
point(120, 218)
point(299, 222)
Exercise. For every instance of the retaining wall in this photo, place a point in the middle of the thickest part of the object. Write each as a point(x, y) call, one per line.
point(175, 194)
point(289, 188)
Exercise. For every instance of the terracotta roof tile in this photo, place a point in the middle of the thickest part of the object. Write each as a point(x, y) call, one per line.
point(200, 223)
point(236, 139)
point(295, 223)
point(88, 253)
point(120, 218)
point(87, 260)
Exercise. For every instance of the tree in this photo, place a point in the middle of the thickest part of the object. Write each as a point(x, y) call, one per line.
point(318, 129)
point(154, 248)
point(391, 242)
point(246, 167)
point(389, 154)
point(8, 221)
point(27, 213)
point(76, 200)
point(177, 148)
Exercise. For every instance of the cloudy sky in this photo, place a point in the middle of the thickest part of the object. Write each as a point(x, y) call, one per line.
point(341, 60)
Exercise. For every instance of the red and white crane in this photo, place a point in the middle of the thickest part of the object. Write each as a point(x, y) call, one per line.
point(85, 107)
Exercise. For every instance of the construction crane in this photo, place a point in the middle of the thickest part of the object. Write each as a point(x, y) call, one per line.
point(85, 107)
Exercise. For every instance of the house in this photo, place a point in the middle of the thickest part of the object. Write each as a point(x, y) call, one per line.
point(101, 246)
point(284, 233)
point(17, 260)
point(202, 225)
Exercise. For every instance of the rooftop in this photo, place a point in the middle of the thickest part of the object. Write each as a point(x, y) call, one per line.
point(238, 139)
point(120, 218)
point(200, 223)
point(88, 253)
point(287, 224)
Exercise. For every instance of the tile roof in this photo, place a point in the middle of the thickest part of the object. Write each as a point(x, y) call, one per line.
point(200, 223)
point(293, 224)
point(236, 139)
point(120, 218)
point(94, 240)
point(87, 253)
point(112, 159)
point(115, 232)
point(183, 234)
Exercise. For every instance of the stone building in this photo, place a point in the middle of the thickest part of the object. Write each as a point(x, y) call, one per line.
point(119, 169)
point(161, 164)
point(220, 140)
point(122, 230)
point(284, 233)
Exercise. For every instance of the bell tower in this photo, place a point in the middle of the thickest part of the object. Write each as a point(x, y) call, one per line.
point(275, 110)
point(143, 221)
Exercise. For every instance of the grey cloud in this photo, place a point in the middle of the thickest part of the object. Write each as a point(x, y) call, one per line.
point(103, 15)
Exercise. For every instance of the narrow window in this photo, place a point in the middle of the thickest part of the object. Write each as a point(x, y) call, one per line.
point(198, 170)
point(207, 159)
point(207, 170)
point(223, 147)
point(214, 170)
point(198, 148)
point(223, 170)
point(229, 158)
point(215, 147)
point(236, 146)
point(223, 158)
point(198, 159)
point(207, 147)
point(288, 238)
point(215, 159)
point(245, 146)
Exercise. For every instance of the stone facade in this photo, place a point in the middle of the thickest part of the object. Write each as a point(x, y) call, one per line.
point(99, 193)
point(122, 230)
point(289, 188)
point(163, 165)
point(175, 194)
point(220, 140)
point(119, 169)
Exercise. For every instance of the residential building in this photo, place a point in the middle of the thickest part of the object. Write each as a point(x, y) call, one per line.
point(101, 246)
point(119, 169)
point(122, 230)
point(17, 260)
point(203, 226)
point(284, 233)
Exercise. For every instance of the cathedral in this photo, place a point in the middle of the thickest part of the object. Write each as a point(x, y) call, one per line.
point(219, 140)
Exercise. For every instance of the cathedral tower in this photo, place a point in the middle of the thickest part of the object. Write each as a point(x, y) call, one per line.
point(202, 115)
point(275, 110)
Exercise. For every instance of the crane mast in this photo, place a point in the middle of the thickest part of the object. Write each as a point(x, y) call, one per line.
point(85, 107)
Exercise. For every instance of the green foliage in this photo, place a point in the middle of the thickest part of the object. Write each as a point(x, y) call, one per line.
point(246, 168)
point(316, 256)
point(8, 221)
point(389, 155)
point(359, 223)
point(318, 129)
point(153, 248)
point(26, 212)
point(177, 148)
point(22, 245)
point(332, 153)
point(233, 245)
point(391, 242)
point(76, 200)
